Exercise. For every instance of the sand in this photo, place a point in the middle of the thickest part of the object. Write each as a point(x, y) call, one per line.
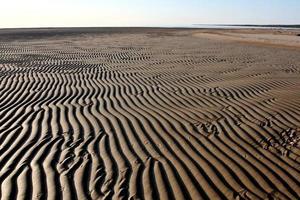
point(289, 38)
point(146, 113)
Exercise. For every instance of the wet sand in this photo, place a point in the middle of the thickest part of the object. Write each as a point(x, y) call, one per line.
point(286, 38)
point(143, 113)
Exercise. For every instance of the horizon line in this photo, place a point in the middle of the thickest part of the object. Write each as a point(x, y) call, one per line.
point(165, 26)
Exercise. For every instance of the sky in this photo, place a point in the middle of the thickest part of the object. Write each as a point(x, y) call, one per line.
point(81, 13)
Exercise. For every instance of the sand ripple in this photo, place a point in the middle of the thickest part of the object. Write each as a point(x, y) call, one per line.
point(148, 116)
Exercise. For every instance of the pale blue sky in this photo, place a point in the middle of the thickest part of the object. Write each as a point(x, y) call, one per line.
point(49, 13)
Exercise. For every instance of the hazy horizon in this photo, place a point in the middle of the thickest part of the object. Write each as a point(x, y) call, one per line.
point(120, 13)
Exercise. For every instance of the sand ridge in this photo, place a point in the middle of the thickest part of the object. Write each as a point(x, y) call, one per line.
point(158, 114)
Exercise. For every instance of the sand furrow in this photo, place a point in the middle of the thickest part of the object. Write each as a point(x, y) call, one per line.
point(152, 114)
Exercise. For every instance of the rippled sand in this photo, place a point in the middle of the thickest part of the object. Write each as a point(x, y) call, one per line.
point(147, 114)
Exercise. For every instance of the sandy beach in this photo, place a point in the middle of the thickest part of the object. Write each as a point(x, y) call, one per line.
point(149, 113)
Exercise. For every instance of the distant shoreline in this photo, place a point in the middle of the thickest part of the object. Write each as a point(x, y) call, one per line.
point(287, 26)
point(270, 26)
point(192, 26)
